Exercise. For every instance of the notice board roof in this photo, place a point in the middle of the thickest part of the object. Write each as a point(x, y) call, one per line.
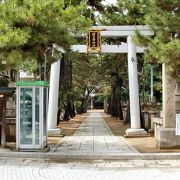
point(32, 83)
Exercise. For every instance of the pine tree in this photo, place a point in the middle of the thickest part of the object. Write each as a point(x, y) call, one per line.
point(29, 27)
point(164, 47)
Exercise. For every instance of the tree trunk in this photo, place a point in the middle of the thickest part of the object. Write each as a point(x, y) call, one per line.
point(142, 119)
point(66, 98)
point(67, 111)
point(127, 118)
point(82, 109)
point(73, 113)
point(118, 103)
point(113, 102)
point(84, 102)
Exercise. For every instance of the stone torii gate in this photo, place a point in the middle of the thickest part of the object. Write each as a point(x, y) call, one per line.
point(130, 48)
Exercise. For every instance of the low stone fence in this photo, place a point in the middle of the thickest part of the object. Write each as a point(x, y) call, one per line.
point(158, 122)
point(149, 112)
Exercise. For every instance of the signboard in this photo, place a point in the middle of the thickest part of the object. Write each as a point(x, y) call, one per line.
point(178, 124)
point(94, 41)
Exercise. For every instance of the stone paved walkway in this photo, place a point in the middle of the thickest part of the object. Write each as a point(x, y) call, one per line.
point(93, 138)
point(35, 169)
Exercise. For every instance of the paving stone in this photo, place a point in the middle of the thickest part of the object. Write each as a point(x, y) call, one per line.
point(94, 137)
point(89, 170)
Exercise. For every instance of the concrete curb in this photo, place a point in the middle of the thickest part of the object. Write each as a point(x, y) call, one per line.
point(23, 154)
point(63, 157)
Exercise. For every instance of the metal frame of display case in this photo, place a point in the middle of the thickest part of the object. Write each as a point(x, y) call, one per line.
point(31, 126)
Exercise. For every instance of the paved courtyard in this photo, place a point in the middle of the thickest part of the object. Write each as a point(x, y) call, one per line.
point(93, 138)
point(32, 169)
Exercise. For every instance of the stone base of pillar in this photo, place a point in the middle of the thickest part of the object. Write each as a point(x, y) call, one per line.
point(135, 132)
point(151, 131)
point(167, 138)
point(54, 132)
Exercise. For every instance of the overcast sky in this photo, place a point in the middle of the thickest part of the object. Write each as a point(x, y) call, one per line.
point(110, 1)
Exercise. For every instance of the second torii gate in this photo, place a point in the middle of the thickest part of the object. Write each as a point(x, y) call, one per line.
point(130, 48)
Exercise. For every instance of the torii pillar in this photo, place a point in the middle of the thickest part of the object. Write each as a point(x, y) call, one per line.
point(133, 91)
point(53, 100)
point(53, 130)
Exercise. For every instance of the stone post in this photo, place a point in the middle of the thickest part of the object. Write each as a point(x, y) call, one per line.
point(177, 98)
point(177, 107)
point(133, 91)
point(166, 136)
point(168, 100)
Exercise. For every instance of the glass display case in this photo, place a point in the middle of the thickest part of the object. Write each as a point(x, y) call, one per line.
point(32, 103)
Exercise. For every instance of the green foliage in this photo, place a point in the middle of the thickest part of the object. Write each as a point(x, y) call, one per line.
point(29, 27)
point(145, 79)
point(75, 19)
point(29, 67)
point(99, 97)
point(86, 73)
point(164, 46)
point(125, 12)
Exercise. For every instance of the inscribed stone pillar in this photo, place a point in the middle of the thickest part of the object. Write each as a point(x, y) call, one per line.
point(166, 136)
point(168, 100)
point(177, 98)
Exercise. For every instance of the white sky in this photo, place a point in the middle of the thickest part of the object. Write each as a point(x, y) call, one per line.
point(106, 2)
point(110, 1)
